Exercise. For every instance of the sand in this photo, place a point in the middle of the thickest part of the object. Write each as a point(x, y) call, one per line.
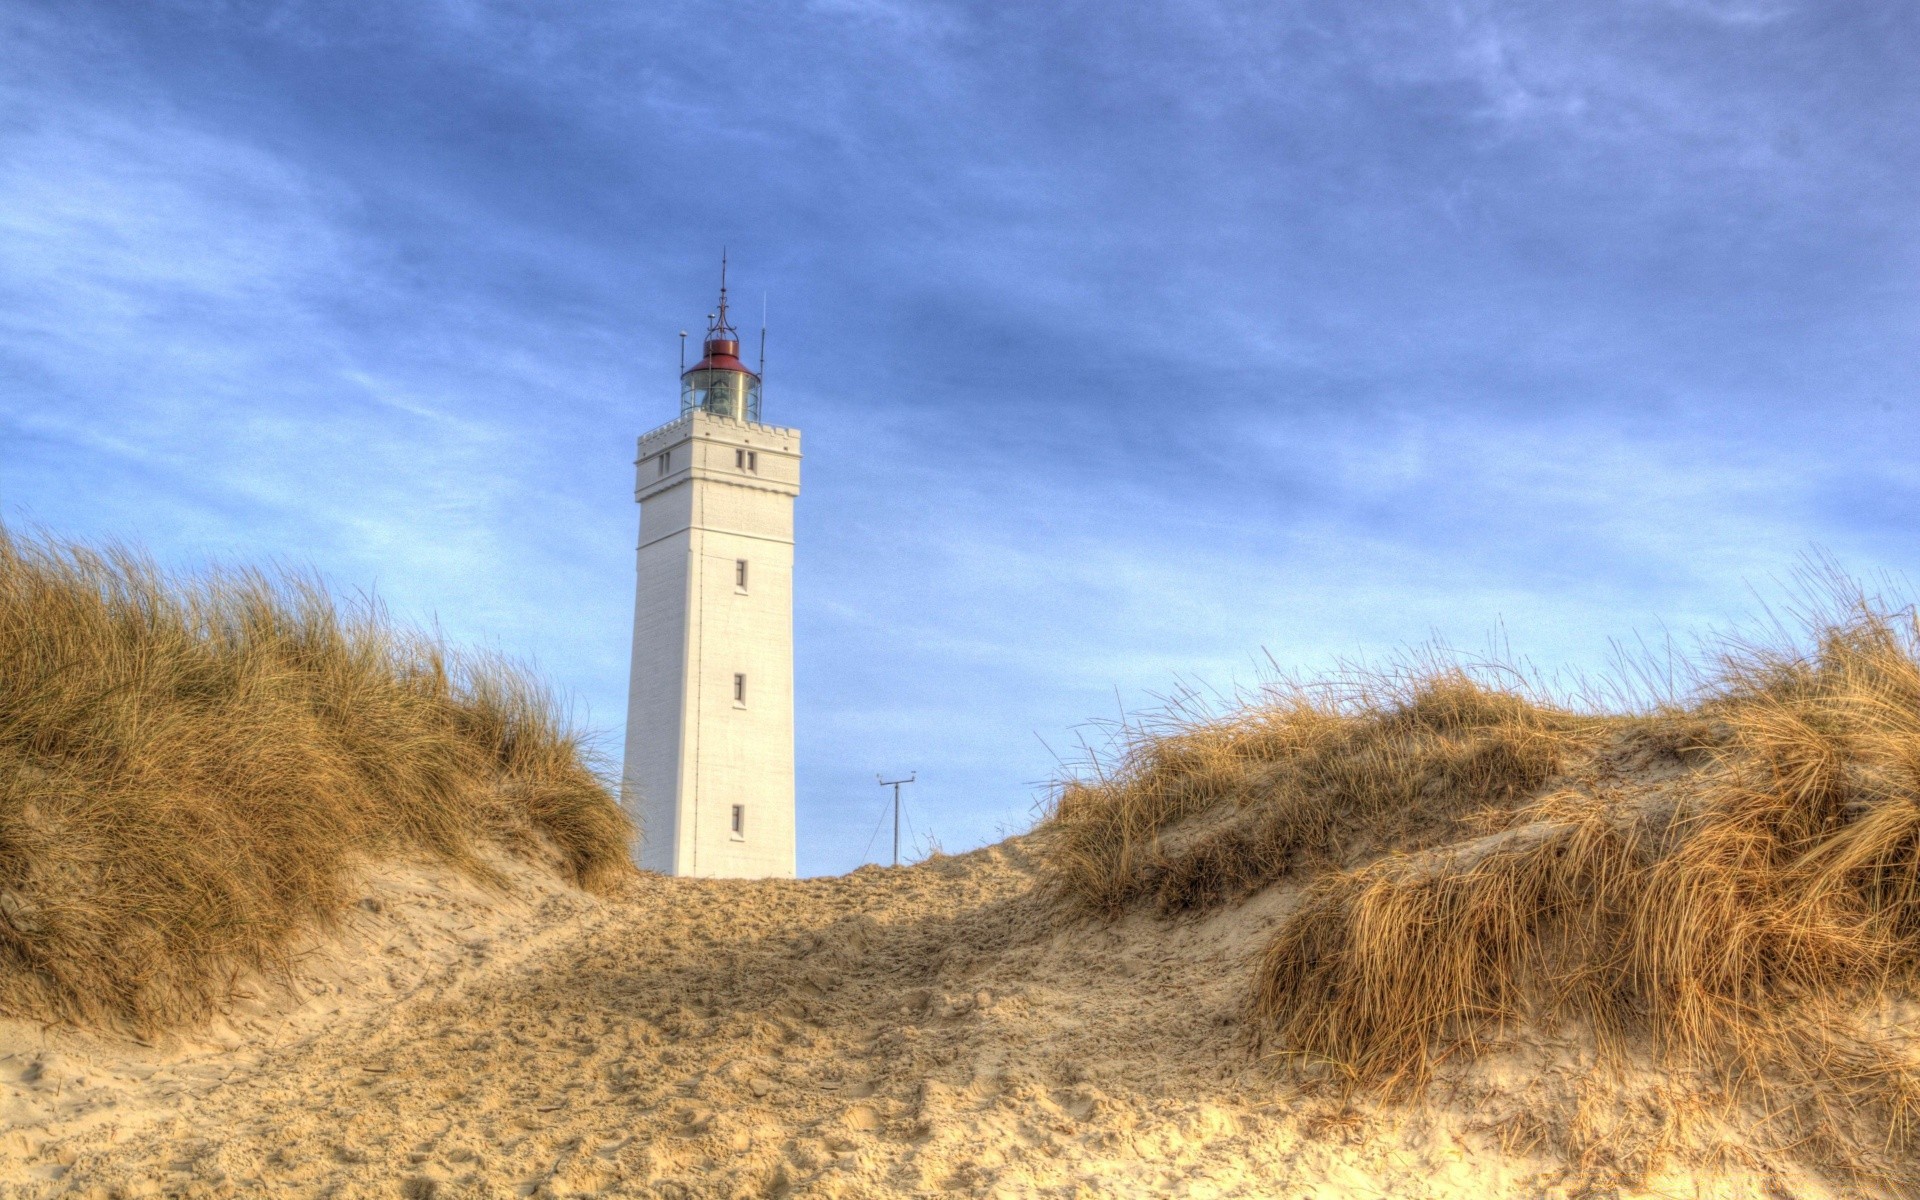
point(933, 1030)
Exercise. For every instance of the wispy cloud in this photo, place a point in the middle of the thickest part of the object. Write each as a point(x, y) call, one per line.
point(210, 324)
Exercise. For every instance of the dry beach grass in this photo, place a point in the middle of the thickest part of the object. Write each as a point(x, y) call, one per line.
point(1727, 889)
point(190, 766)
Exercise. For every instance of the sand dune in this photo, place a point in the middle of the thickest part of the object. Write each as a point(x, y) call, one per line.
point(934, 1030)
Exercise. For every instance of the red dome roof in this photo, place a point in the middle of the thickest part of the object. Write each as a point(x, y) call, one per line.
point(723, 354)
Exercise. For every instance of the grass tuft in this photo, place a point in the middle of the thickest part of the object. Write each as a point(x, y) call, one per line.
point(1302, 774)
point(1727, 887)
point(191, 766)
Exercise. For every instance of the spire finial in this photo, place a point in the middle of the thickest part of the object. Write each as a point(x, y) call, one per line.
point(720, 322)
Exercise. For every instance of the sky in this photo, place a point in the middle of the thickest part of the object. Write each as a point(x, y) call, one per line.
point(1136, 347)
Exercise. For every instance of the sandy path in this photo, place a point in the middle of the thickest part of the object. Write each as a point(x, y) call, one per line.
point(925, 1031)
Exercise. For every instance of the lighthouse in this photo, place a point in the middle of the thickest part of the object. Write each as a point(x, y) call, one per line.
point(708, 773)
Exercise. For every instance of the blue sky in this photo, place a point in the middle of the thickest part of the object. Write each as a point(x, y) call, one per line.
point(1132, 343)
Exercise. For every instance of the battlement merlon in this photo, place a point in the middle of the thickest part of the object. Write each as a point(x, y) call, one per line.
point(700, 445)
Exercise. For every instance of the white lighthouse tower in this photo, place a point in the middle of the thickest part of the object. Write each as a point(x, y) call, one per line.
point(708, 775)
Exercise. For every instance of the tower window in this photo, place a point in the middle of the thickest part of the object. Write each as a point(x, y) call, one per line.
point(739, 689)
point(740, 573)
point(666, 460)
point(740, 821)
point(746, 460)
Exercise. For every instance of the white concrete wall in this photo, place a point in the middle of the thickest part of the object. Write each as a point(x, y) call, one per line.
point(693, 753)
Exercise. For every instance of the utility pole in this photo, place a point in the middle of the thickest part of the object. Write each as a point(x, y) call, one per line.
point(895, 785)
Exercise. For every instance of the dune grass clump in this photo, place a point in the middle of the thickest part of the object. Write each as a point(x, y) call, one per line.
point(1749, 918)
point(1197, 812)
point(190, 768)
point(1724, 886)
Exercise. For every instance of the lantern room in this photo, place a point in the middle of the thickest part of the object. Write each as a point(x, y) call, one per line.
point(720, 383)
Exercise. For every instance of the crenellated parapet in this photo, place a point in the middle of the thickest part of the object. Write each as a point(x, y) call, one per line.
point(702, 446)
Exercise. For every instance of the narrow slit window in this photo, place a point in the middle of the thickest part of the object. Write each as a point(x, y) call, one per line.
point(739, 689)
point(740, 820)
point(666, 460)
point(753, 461)
point(740, 460)
point(740, 573)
